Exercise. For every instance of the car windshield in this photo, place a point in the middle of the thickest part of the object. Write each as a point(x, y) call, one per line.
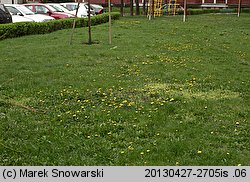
point(56, 8)
point(71, 7)
point(59, 7)
point(25, 10)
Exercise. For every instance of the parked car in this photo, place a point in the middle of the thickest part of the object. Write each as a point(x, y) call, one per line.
point(82, 11)
point(97, 8)
point(45, 9)
point(168, 8)
point(61, 8)
point(21, 10)
point(94, 8)
point(5, 16)
point(17, 18)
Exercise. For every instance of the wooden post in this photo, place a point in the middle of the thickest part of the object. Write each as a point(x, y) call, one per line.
point(149, 10)
point(74, 23)
point(153, 8)
point(239, 8)
point(185, 11)
point(110, 35)
point(89, 23)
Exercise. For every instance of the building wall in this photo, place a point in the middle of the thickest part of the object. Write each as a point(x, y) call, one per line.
point(127, 2)
point(10, 1)
point(243, 2)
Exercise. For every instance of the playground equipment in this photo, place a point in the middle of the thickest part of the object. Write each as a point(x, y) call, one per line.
point(172, 4)
point(155, 8)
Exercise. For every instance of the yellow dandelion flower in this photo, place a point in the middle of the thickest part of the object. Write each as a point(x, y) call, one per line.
point(199, 151)
point(142, 153)
point(130, 148)
point(172, 99)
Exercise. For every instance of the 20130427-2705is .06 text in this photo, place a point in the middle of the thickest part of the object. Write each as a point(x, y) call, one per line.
point(199, 173)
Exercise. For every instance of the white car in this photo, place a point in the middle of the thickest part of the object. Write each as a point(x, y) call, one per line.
point(16, 19)
point(20, 10)
point(82, 11)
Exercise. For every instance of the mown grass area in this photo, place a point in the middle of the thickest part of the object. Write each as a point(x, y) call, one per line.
point(164, 93)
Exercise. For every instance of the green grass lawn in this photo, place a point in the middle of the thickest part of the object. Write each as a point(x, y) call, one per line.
point(164, 93)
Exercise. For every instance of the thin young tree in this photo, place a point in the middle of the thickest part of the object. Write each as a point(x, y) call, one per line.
point(137, 8)
point(131, 8)
point(144, 7)
point(110, 34)
point(122, 9)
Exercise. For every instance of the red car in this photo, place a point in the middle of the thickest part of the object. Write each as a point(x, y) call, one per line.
point(39, 8)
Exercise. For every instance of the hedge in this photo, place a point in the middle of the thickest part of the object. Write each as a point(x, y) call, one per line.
point(12, 30)
point(206, 11)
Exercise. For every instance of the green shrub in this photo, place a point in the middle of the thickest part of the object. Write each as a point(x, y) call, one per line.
point(199, 11)
point(27, 28)
point(245, 10)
